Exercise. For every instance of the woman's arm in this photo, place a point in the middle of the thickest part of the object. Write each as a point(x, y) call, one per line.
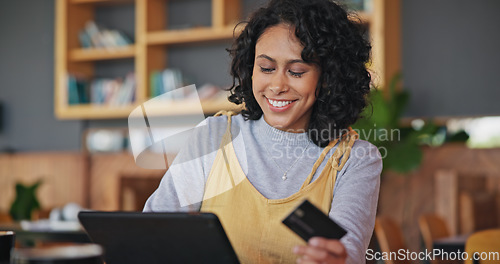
point(182, 186)
point(354, 207)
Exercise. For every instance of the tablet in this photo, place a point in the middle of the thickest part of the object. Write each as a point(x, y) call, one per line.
point(135, 237)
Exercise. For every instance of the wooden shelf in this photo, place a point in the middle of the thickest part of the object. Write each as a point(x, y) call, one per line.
point(101, 1)
point(190, 107)
point(173, 108)
point(195, 35)
point(102, 53)
point(89, 111)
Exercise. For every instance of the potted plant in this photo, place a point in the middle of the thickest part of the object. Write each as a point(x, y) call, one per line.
point(381, 125)
point(25, 202)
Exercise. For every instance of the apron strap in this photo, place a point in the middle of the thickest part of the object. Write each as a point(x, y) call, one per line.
point(224, 112)
point(348, 142)
point(226, 139)
point(341, 153)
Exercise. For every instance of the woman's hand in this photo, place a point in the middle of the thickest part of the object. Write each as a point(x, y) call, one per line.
point(321, 250)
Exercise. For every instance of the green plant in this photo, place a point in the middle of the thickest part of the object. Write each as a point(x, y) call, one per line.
point(381, 125)
point(25, 202)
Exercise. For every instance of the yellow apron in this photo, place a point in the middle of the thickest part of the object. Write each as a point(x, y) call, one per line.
point(253, 222)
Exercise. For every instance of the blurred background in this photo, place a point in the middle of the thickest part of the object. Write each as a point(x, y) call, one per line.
point(71, 71)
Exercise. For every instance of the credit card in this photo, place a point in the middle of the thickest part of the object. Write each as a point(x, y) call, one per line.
point(308, 221)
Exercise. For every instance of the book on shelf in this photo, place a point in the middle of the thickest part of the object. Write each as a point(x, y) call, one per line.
point(156, 84)
point(165, 81)
point(78, 92)
point(95, 36)
point(162, 82)
point(115, 92)
point(102, 91)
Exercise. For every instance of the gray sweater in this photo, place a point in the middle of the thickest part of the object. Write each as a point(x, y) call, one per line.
point(256, 143)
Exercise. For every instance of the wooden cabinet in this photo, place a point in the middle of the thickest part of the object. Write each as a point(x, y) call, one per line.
point(149, 52)
point(152, 40)
point(385, 32)
point(384, 29)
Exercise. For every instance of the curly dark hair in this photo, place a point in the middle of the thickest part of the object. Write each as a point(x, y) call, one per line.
point(332, 40)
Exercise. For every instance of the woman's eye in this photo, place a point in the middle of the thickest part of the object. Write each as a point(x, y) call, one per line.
point(296, 74)
point(266, 70)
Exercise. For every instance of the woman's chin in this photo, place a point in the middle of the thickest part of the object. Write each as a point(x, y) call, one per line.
point(283, 125)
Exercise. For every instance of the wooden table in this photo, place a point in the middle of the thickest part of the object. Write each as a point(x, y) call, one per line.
point(451, 244)
point(25, 238)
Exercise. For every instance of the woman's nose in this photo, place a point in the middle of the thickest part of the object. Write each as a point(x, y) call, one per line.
point(278, 84)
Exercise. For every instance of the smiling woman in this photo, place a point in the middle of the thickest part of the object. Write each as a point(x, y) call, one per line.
point(320, 34)
point(299, 67)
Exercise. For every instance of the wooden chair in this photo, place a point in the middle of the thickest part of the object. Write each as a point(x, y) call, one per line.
point(390, 238)
point(449, 185)
point(478, 211)
point(135, 190)
point(485, 242)
point(433, 227)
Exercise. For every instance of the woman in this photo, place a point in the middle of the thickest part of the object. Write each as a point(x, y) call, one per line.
point(299, 67)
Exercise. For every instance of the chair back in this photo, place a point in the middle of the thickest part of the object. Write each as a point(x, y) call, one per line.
point(135, 190)
point(390, 238)
point(432, 227)
point(478, 211)
point(487, 244)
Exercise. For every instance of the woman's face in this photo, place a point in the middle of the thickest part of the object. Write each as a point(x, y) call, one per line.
point(283, 84)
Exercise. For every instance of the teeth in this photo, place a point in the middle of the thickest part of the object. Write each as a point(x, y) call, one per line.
point(279, 103)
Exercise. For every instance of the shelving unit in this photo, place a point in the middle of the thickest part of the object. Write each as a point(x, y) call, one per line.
point(384, 26)
point(152, 40)
point(149, 52)
point(385, 32)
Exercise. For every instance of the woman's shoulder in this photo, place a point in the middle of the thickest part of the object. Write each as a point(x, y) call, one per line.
point(364, 163)
point(363, 144)
point(364, 152)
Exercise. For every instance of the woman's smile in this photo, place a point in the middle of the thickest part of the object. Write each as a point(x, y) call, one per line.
point(279, 103)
